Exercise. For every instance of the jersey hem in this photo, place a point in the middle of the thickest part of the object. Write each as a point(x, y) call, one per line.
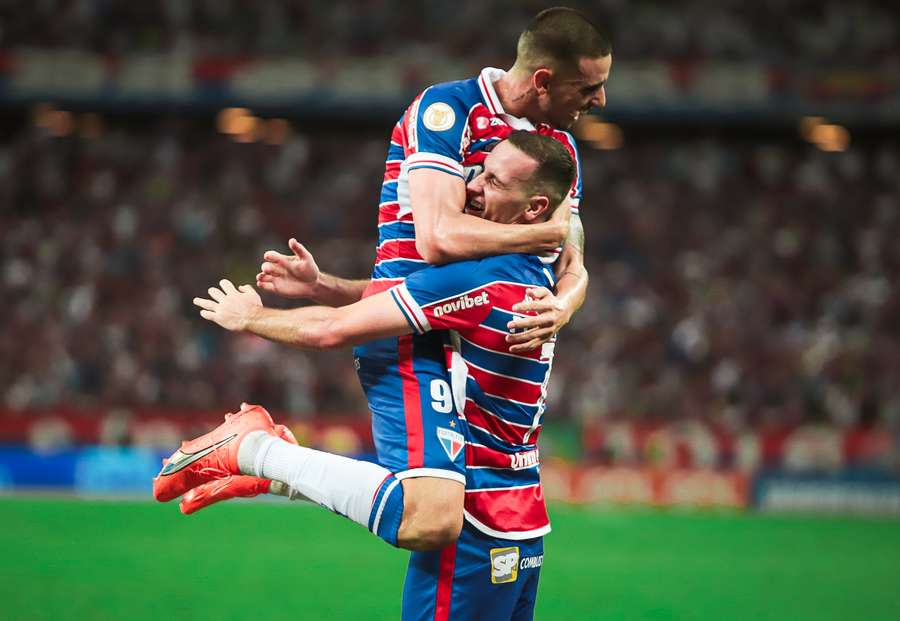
point(436, 473)
point(512, 535)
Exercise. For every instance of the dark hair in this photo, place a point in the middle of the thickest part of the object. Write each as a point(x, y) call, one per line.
point(556, 170)
point(558, 38)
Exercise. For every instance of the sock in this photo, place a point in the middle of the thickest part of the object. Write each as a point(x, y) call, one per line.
point(253, 447)
point(387, 510)
point(364, 492)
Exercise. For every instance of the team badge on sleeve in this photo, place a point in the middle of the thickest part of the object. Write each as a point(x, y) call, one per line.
point(452, 441)
point(504, 565)
point(439, 117)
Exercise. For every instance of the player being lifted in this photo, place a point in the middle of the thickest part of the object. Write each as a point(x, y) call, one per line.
point(443, 138)
point(487, 573)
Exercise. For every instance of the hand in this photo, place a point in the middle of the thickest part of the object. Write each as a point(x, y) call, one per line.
point(533, 331)
point(289, 276)
point(230, 307)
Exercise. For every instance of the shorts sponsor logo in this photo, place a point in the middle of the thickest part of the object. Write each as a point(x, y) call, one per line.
point(531, 562)
point(463, 303)
point(528, 459)
point(439, 117)
point(452, 442)
point(504, 565)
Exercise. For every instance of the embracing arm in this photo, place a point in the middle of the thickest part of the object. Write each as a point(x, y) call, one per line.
point(554, 312)
point(445, 234)
point(240, 309)
point(571, 275)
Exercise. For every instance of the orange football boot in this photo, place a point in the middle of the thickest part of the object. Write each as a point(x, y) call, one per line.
point(211, 456)
point(237, 486)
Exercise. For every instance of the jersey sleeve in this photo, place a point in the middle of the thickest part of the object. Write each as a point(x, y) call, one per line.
point(436, 127)
point(448, 297)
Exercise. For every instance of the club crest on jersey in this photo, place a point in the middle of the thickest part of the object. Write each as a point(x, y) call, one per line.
point(504, 565)
point(439, 117)
point(452, 441)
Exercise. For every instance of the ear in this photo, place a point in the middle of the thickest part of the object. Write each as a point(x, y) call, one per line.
point(537, 208)
point(540, 80)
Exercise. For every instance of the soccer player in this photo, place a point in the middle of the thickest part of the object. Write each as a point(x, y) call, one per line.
point(492, 570)
point(441, 142)
point(561, 69)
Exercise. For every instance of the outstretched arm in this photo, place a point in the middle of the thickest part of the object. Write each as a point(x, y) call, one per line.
point(298, 276)
point(240, 309)
point(445, 234)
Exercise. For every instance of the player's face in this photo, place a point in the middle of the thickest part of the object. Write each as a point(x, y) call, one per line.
point(571, 94)
point(499, 193)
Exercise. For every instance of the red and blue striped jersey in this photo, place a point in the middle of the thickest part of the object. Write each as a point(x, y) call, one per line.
point(449, 127)
point(499, 395)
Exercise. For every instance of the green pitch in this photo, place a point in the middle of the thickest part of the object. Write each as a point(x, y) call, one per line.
point(70, 559)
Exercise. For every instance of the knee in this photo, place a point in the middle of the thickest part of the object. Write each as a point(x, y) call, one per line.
point(446, 529)
point(432, 514)
point(431, 530)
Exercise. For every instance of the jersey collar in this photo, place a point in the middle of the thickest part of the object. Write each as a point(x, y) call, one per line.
point(486, 80)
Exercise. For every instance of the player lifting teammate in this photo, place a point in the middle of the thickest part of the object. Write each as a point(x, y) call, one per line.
point(445, 136)
point(561, 70)
point(471, 299)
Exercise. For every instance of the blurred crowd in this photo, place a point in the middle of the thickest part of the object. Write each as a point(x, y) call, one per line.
point(744, 283)
point(858, 34)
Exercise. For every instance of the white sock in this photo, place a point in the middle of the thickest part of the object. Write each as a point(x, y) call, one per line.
point(253, 448)
point(343, 485)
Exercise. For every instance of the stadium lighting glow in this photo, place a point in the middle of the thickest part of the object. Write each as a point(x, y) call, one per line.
point(826, 136)
point(808, 124)
point(600, 135)
point(236, 121)
point(251, 134)
point(831, 137)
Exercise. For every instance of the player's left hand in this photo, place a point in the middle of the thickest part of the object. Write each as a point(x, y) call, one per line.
point(229, 306)
point(529, 333)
